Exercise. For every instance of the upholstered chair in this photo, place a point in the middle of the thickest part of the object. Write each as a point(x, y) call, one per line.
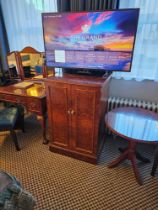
point(12, 118)
point(12, 194)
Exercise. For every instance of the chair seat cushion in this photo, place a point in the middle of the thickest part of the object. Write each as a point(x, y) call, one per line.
point(8, 118)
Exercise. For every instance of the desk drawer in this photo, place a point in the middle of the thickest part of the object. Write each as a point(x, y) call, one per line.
point(12, 98)
point(2, 97)
point(20, 100)
point(33, 105)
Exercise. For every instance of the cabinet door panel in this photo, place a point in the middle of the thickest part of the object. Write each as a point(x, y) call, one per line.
point(84, 119)
point(58, 114)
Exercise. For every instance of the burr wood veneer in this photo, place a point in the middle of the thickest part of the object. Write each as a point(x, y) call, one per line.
point(75, 113)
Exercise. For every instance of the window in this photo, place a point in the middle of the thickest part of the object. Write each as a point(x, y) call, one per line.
point(145, 59)
point(24, 23)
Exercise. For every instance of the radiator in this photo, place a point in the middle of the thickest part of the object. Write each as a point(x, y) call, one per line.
point(114, 102)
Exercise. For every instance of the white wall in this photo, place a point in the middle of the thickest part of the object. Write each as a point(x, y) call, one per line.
point(145, 90)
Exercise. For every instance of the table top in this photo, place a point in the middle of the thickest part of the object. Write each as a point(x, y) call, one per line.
point(133, 123)
point(36, 90)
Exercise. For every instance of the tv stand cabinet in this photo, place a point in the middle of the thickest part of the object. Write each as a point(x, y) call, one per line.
point(76, 115)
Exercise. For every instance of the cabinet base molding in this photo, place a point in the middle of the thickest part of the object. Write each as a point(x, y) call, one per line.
point(73, 154)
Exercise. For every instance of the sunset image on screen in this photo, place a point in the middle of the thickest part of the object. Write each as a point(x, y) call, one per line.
point(107, 37)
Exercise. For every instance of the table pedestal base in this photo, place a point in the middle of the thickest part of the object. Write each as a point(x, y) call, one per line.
point(138, 156)
point(155, 164)
point(130, 154)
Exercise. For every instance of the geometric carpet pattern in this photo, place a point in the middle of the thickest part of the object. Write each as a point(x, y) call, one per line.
point(63, 183)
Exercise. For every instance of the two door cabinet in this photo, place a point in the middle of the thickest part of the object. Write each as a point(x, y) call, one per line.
point(75, 114)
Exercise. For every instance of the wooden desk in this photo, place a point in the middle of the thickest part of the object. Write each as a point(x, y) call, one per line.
point(33, 98)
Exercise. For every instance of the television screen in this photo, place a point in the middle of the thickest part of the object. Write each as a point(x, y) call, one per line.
point(90, 40)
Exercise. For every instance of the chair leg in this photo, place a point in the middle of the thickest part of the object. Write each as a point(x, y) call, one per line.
point(22, 126)
point(20, 123)
point(14, 137)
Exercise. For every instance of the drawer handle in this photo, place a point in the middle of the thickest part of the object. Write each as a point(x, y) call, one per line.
point(33, 105)
point(18, 100)
point(69, 111)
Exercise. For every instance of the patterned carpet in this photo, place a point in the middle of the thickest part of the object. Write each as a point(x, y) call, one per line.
point(60, 182)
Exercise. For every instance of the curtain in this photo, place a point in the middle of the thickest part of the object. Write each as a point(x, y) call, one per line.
point(145, 59)
point(4, 47)
point(24, 23)
point(86, 5)
point(63, 5)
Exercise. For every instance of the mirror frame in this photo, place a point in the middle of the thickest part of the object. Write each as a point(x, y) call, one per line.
point(19, 72)
point(31, 50)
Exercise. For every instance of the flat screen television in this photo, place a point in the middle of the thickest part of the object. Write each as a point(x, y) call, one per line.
point(97, 41)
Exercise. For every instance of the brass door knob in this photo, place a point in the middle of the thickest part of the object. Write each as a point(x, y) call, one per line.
point(72, 112)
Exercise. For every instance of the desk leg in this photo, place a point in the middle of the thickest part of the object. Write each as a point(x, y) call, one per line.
point(42, 120)
point(128, 153)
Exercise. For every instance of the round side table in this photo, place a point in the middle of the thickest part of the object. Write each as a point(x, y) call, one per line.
point(135, 125)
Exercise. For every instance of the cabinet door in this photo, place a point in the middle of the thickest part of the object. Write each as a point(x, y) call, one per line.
point(85, 118)
point(58, 106)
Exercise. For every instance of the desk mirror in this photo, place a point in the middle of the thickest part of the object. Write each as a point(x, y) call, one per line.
point(32, 63)
point(13, 65)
